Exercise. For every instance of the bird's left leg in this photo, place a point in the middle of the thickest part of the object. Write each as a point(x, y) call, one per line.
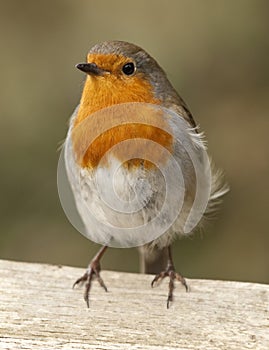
point(172, 275)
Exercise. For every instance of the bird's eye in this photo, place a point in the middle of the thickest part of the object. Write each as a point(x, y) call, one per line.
point(128, 68)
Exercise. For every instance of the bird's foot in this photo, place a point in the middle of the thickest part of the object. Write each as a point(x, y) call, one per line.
point(172, 275)
point(93, 272)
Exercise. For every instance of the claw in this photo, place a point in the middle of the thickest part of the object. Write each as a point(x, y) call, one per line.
point(154, 281)
point(159, 277)
point(80, 280)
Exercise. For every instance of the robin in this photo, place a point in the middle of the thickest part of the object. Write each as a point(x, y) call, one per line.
point(123, 82)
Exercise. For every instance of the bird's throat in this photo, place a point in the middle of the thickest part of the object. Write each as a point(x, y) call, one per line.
point(103, 92)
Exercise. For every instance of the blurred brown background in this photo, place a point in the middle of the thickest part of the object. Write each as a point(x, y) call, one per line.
point(216, 55)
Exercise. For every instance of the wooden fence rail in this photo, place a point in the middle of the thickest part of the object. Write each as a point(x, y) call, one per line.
point(40, 310)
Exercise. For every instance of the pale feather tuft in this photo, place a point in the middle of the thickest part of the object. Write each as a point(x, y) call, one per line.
point(218, 189)
point(198, 138)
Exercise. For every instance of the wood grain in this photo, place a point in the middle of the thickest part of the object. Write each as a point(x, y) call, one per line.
point(40, 310)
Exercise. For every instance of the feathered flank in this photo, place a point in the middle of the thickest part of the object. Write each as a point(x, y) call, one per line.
point(218, 185)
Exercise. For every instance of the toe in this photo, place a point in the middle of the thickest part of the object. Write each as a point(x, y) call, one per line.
point(159, 278)
point(181, 279)
point(102, 283)
point(80, 280)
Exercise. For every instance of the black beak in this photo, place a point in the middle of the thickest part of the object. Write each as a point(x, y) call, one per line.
point(90, 68)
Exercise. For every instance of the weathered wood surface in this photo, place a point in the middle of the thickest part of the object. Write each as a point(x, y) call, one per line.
point(40, 310)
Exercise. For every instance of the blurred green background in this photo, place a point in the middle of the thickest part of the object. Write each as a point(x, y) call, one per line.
point(216, 55)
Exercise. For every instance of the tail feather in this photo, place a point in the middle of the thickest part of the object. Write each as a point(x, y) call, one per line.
point(153, 259)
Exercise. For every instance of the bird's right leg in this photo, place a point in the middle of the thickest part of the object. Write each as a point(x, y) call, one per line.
point(93, 272)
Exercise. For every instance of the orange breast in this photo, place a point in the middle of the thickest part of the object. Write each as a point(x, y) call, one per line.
point(148, 135)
